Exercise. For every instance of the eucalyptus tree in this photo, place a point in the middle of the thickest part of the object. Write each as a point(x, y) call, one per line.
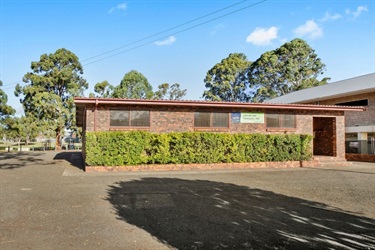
point(291, 67)
point(226, 81)
point(20, 128)
point(134, 85)
point(170, 92)
point(50, 87)
point(5, 109)
point(103, 89)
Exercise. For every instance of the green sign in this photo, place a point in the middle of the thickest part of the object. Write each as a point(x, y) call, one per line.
point(252, 117)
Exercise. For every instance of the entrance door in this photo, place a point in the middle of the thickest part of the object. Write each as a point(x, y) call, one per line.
point(324, 136)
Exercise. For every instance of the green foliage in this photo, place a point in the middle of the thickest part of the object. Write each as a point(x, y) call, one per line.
point(134, 85)
point(138, 147)
point(5, 109)
point(51, 86)
point(225, 81)
point(291, 67)
point(22, 128)
point(103, 89)
point(172, 92)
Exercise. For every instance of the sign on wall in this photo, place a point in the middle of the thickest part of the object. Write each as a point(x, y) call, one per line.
point(236, 117)
point(252, 118)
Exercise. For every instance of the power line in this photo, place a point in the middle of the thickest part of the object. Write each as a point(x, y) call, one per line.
point(178, 32)
point(10, 85)
point(164, 31)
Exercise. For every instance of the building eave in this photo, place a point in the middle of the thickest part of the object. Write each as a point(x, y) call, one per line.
point(79, 101)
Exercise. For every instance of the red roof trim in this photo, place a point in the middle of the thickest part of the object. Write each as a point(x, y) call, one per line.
point(81, 100)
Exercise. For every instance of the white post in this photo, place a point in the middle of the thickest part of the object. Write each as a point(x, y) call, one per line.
point(363, 147)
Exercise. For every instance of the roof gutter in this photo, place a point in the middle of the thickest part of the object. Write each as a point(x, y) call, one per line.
point(98, 101)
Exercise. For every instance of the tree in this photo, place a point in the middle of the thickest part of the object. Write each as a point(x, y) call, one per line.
point(134, 85)
point(51, 86)
point(28, 128)
point(21, 129)
point(172, 92)
point(5, 112)
point(225, 81)
point(291, 67)
point(103, 89)
point(5, 109)
point(11, 128)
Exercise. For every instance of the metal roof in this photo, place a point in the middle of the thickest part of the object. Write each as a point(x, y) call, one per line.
point(357, 85)
point(82, 101)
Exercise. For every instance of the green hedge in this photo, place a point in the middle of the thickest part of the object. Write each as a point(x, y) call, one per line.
point(138, 147)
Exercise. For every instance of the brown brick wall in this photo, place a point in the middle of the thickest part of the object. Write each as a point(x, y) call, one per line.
point(90, 113)
point(170, 120)
point(360, 157)
point(366, 118)
point(181, 119)
point(217, 166)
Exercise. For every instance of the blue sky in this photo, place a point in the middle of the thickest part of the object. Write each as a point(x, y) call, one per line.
point(341, 32)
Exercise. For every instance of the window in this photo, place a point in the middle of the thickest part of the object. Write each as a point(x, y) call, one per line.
point(129, 118)
point(208, 119)
point(280, 121)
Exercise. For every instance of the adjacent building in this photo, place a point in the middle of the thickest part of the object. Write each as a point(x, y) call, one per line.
point(357, 91)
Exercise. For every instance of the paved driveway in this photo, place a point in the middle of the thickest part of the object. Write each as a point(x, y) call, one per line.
point(48, 202)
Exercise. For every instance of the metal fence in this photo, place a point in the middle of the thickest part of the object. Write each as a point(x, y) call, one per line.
point(360, 146)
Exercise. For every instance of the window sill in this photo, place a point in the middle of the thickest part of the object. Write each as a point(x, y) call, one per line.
point(281, 129)
point(212, 129)
point(128, 128)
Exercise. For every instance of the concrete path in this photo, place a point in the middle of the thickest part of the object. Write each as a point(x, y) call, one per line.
point(48, 202)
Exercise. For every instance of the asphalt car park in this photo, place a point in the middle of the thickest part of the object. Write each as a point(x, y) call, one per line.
point(48, 202)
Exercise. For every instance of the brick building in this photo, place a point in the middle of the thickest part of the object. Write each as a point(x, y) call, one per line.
point(163, 116)
point(357, 91)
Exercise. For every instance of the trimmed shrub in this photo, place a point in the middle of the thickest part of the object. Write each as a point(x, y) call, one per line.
point(139, 147)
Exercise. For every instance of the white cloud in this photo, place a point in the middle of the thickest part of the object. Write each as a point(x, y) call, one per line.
point(170, 40)
point(357, 12)
point(216, 29)
point(328, 17)
point(121, 6)
point(262, 36)
point(310, 29)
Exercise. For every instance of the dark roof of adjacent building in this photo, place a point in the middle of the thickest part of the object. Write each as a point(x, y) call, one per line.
point(353, 86)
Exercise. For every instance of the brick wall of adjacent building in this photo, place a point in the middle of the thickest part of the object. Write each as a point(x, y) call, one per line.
point(360, 157)
point(352, 119)
point(181, 119)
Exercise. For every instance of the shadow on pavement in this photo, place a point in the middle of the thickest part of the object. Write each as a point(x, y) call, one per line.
point(9, 161)
point(201, 214)
point(74, 158)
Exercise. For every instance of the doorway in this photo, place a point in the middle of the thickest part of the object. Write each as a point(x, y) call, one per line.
point(324, 129)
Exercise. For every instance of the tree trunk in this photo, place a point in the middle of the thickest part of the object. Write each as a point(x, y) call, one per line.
point(57, 142)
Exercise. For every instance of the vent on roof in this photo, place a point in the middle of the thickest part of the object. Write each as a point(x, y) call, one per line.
point(363, 102)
